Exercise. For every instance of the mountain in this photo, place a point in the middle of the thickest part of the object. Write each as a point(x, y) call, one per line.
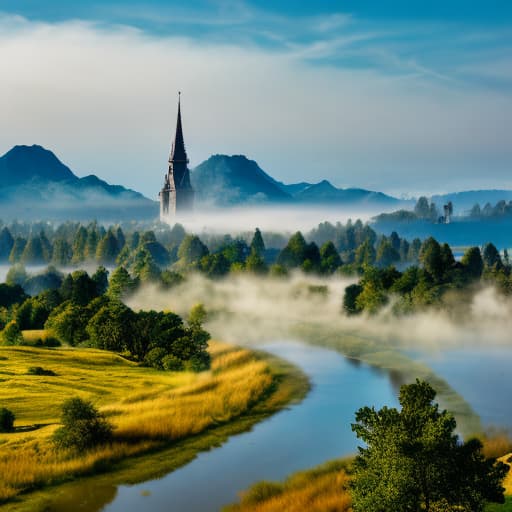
point(229, 180)
point(23, 164)
point(36, 184)
point(325, 192)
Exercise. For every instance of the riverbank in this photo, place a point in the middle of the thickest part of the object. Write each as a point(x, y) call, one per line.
point(322, 488)
point(202, 410)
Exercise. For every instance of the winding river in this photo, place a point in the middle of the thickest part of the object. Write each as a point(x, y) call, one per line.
point(299, 437)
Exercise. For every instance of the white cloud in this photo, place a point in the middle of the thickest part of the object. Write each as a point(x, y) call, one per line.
point(105, 100)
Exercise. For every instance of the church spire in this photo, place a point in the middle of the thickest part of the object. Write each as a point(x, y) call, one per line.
point(178, 152)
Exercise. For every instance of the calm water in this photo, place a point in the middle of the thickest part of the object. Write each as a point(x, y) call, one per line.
point(483, 376)
point(306, 434)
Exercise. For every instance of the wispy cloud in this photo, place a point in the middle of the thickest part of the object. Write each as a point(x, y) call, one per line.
point(316, 97)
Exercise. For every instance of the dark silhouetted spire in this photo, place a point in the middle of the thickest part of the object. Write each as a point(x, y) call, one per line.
point(178, 152)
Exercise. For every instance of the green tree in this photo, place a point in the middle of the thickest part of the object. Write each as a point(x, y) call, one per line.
point(67, 323)
point(121, 284)
point(255, 263)
point(83, 426)
point(257, 243)
point(352, 292)
point(330, 259)
point(491, 256)
point(16, 275)
point(11, 334)
point(432, 259)
point(365, 254)
point(294, 253)
point(473, 263)
point(6, 243)
point(17, 249)
point(191, 250)
point(107, 249)
point(386, 254)
point(413, 461)
point(79, 288)
point(100, 278)
point(111, 328)
point(62, 252)
point(79, 245)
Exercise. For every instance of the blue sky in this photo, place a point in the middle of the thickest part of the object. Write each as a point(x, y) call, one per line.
point(400, 96)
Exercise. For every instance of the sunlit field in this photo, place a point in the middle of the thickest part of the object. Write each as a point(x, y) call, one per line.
point(148, 408)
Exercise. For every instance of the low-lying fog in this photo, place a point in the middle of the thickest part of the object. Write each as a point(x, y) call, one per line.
point(251, 309)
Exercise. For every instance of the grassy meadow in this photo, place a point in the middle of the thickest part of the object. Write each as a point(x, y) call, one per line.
point(150, 409)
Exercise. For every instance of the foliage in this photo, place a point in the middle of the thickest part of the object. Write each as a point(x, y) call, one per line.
point(83, 427)
point(6, 420)
point(39, 370)
point(11, 334)
point(413, 461)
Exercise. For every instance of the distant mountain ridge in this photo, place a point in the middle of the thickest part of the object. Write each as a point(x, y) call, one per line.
point(35, 183)
point(230, 180)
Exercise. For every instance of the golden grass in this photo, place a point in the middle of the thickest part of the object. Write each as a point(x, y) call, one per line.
point(147, 408)
point(322, 489)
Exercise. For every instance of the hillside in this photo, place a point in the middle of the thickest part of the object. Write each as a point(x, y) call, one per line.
point(36, 184)
point(229, 180)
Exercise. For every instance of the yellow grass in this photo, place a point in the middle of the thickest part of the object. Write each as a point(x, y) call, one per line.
point(146, 407)
point(323, 489)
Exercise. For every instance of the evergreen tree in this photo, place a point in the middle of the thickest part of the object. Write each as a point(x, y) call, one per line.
point(473, 263)
point(365, 254)
point(191, 250)
point(62, 252)
point(79, 245)
point(255, 263)
point(91, 244)
point(330, 259)
point(17, 249)
point(33, 252)
point(257, 243)
point(107, 249)
point(100, 278)
point(491, 256)
point(431, 258)
point(121, 284)
point(386, 254)
point(6, 244)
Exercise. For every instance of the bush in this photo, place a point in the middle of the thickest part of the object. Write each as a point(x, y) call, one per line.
point(154, 358)
point(84, 427)
point(39, 370)
point(11, 335)
point(198, 362)
point(6, 420)
point(172, 363)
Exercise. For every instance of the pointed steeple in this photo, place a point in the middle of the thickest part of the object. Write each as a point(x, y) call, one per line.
point(178, 152)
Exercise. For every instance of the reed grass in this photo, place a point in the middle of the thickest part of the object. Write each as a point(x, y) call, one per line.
point(321, 489)
point(148, 409)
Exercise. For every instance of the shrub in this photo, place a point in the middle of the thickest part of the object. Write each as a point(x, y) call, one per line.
point(154, 358)
point(198, 362)
point(6, 420)
point(172, 363)
point(39, 370)
point(84, 427)
point(11, 334)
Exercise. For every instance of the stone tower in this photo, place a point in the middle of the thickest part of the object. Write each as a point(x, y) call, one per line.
point(177, 194)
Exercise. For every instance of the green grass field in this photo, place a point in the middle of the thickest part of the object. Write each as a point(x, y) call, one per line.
point(150, 410)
